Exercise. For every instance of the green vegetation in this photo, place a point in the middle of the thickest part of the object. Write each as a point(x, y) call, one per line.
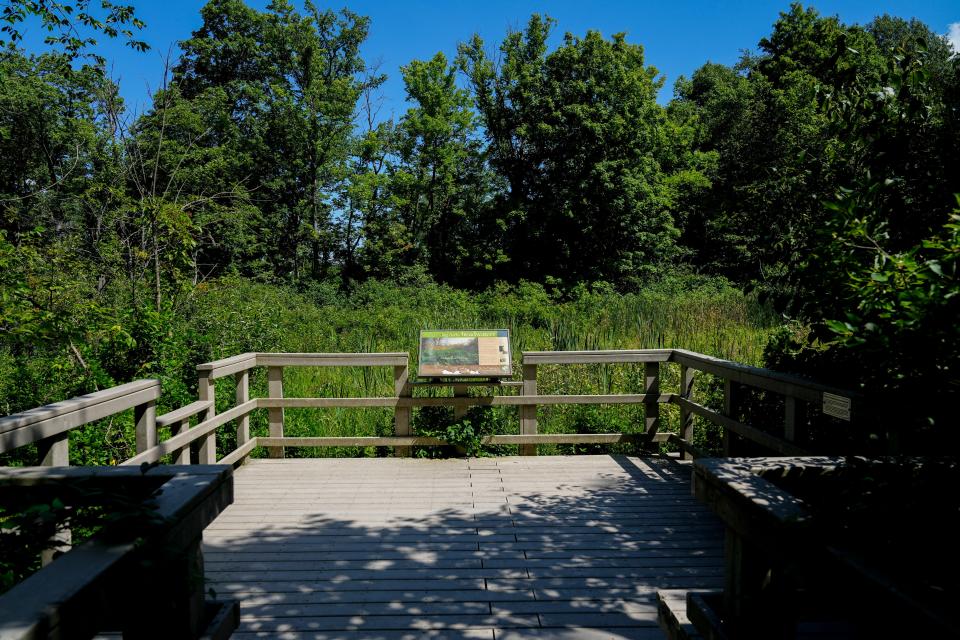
point(261, 204)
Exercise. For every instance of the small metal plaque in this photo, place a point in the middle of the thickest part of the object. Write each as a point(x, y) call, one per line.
point(465, 353)
point(836, 406)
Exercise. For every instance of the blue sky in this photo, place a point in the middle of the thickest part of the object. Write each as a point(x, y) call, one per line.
point(678, 36)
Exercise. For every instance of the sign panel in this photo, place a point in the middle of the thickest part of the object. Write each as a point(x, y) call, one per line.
point(466, 353)
point(836, 406)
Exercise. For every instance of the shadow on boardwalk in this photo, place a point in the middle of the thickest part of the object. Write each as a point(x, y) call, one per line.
point(558, 547)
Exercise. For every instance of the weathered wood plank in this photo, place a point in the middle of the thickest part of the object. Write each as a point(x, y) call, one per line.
point(531, 439)
point(240, 453)
point(528, 412)
point(614, 356)
point(495, 401)
point(243, 396)
point(771, 442)
point(37, 424)
point(781, 383)
point(183, 413)
point(46, 412)
point(228, 366)
point(686, 418)
point(395, 359)
point(275, 414)
point(388, 546)
point(401, 415)
point(201, 431)
point(651, 389)
point(207, 390)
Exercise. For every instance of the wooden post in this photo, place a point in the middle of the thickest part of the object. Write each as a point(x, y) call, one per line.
point(145, 416)
point(745, 575)
point(528, 413)
point(401, 415)
point(651, 405)
point(275, 415)
point(55, 450)
point(182, 455)
point(243, 395)
point(794, 421)
point(168, 600)
point(730, 401)
point(206, 390)
point(686, 417)
point(459, 391)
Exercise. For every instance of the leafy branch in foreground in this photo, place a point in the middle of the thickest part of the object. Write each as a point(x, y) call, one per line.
point(70, 24)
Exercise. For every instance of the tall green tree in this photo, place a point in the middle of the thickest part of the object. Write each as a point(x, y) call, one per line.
point(279, 89)
point(579, 138)
point(441, 181)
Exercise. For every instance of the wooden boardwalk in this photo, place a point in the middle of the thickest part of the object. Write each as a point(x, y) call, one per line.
point(493, 548)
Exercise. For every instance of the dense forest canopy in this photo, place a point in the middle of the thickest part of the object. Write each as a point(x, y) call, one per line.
point(820, 173)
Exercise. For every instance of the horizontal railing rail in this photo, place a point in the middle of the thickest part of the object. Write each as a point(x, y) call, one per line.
point(49, 426)
point(51, 423)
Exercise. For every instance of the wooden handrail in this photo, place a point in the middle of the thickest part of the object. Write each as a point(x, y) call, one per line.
point(397, 359)
point(767, 379)
point(49, 425)
point(183, 413)
point(612, 356)
point(227, 366)
point(80, 403)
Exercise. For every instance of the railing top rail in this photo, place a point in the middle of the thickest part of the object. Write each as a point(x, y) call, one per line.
point(610, 356)
point(226, 366)
point(132, 391)
point(392, 359)
point(244, 361)
point(51, 420)
point(782, 383)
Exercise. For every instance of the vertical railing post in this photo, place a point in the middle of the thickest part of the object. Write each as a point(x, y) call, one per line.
point(794, 420)
point(145, 417)
point(459, 410)
point(275, 415)
point(243, 395)
point(651, 404)
point(731, 398)
point(182, 455)
point(207, 390)
point(686, 417)
point(401, 415)
point(55, 450)
point(528, 412)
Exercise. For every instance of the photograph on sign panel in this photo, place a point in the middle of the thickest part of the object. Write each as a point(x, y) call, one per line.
point(452, 351)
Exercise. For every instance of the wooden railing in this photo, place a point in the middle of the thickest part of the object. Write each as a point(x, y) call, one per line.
point(50, 425)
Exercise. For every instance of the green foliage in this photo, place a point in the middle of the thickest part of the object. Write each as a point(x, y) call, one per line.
point(464, 435)
point(70, 24)
point(578, 137)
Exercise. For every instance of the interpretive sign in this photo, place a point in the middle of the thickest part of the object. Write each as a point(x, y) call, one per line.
point(446, 353)
point(836, 406)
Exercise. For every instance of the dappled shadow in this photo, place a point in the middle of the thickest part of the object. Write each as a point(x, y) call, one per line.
point(479, 548)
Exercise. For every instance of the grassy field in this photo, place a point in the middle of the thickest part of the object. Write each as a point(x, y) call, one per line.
point(711, 319)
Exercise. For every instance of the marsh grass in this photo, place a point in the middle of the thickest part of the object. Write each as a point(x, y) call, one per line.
point(713, 319)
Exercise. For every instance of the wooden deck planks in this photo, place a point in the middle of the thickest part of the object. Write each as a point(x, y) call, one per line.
point(496, 548)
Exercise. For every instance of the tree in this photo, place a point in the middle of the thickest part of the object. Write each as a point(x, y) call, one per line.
point(278, 91)
point(441, 179)
point(580, 140)
point(71, 25)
